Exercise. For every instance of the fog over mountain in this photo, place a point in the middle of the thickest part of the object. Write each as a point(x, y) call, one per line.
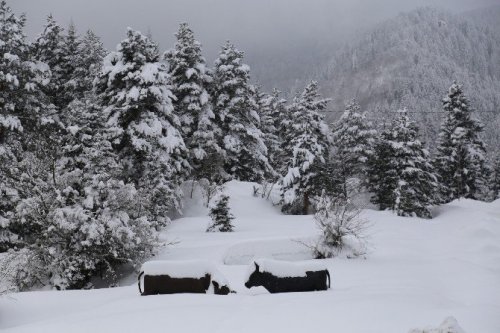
point(283, 39)
point(410, 60)
point(388, 54)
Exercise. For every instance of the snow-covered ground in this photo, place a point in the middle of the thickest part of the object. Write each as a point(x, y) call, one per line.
point(418, 273)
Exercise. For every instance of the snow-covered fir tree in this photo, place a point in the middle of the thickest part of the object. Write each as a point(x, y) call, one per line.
point(306, 143)
point(380, 167)
point(136, 98)
point(100, 219)
point(235, 109)
point(495, 179)
point(21, 104)
point(71, 52)
point(189, 80)
point(88, 63)
point(353, 140)
point(78, 219)
point(221, 217)
point(13, 52)
point(403, 179)
point(460, 159)
point(272, 109)
point(50, 48)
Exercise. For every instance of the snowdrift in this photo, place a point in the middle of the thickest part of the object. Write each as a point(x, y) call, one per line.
point(419, 271)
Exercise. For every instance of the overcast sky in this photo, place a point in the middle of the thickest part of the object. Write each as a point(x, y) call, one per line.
point(249, 23)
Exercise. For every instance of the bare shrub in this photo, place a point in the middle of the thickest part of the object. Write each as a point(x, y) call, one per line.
point(268, 191)
point(210, 190)
point(342, 228)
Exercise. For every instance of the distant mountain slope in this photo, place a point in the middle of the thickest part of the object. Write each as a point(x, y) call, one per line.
point(411, 60)
point(489, 16)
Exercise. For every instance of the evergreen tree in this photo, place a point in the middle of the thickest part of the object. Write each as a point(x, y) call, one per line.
point(49, 48)
point(272, 110)
point(306, 143)
point(134, 92)
point(495, 179)
point(21, 105)
point(460, 158)
point(381, 170)
point(71, 49)
point(221, 217)
point(59, 52)
point(81, 219)
point(353, 140)
point(189, 81)
point(235, 108)
point(13, 51)
point(88, 63)
point(407, 183)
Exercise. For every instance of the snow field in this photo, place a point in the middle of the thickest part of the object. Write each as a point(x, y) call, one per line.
point(417, 273)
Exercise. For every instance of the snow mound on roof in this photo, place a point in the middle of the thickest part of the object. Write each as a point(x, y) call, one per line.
point(281, 268)
point(183, 269)
point(449, 325)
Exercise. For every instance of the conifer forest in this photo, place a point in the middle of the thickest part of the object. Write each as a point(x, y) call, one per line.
point(371, 151)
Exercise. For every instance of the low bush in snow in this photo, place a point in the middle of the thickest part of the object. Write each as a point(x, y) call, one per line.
point(342, 228)
point(269, 191)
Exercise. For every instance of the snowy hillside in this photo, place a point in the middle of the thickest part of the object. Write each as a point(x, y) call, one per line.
point(410, 60)
point(418, 273)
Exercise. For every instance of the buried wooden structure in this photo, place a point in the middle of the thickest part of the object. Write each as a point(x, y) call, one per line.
point(281, 276)
point(173, 277)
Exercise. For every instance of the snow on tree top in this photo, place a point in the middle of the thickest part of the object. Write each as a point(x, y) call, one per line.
point(284, 269)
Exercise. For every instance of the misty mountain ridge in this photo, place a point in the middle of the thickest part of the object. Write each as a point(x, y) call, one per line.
point(411, 60)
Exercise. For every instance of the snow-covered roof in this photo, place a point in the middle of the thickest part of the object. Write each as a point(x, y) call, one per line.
point(282, 268)
point(183, 269)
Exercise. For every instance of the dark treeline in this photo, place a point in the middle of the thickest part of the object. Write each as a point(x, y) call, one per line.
point(95, 145)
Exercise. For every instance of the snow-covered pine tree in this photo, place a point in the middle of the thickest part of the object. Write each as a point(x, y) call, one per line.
point(353, 141)
point(408, 180)
point(306, 143)
point(81, 220)
point(100, 219)
point(49, 48)
point(382, 174)
point(235, 109)
point(71, 49)
point(495, 179)
point(189, 80)
point(272, 110)
point(89, 59)
point(221, 217)
point(20, 105)
point(134, 92)
point(13, 51)
point(460, 158)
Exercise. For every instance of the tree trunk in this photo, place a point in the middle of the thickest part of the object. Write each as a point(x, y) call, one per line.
point(306, 203)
